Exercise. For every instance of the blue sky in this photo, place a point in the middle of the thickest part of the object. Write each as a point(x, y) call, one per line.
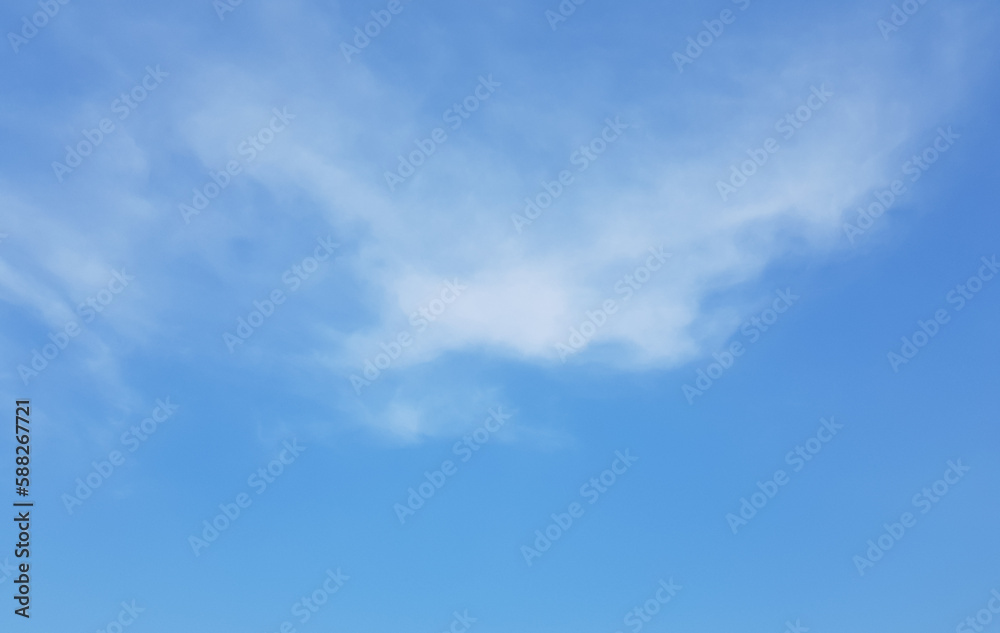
point(494, 256)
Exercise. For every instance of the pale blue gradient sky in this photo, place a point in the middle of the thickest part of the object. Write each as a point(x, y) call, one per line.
point(319, 178)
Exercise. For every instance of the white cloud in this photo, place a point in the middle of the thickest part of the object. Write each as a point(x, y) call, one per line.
point(655, 187)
